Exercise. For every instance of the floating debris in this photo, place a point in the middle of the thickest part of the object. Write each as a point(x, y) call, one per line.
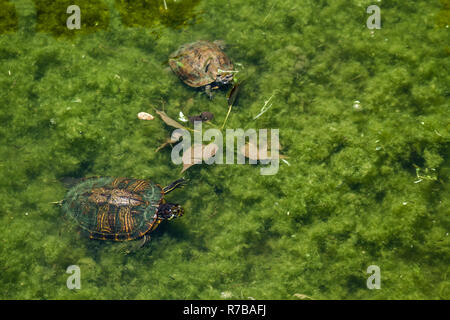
point(193, 119)
point(206, 116)
point(182, 117)
point(145, 116)
point(357, 105)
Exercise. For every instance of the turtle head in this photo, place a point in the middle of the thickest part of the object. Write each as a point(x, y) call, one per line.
point(168, 211)
point(224, 77)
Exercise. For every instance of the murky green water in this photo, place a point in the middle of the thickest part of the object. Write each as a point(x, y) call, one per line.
point(363, 117)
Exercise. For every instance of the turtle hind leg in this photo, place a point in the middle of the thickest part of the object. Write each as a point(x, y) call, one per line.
point(208, 91)
point(69, 182)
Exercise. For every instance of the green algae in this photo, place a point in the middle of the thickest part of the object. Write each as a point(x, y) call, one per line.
point(349, 199)
point(147, 13)
point(8, 17)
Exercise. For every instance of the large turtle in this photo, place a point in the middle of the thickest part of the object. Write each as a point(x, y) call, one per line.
point(202, 64)
point(120, 208)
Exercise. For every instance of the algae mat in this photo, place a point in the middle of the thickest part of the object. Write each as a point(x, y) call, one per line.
point(362, 114)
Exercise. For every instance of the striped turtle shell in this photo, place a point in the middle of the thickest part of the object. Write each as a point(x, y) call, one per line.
point(115, 208)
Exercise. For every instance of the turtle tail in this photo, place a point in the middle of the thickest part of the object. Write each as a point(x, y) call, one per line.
point(178, 183)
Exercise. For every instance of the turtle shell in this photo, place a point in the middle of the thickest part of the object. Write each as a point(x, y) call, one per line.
point(114, 208)
point(197, 64)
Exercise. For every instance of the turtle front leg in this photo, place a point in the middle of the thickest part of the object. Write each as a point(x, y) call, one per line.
point(209, 91)
point(130, 247)
point(145, 239)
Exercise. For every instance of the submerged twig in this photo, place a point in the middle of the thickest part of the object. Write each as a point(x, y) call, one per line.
point(226, 118)
point(270, 11)
point(265, 107)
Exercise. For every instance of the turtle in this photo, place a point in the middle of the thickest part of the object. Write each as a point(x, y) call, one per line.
point(120, 209)
point(202, 64)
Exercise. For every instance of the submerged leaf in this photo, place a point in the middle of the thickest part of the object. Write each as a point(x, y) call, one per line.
point(209, 151)
point(191, 157)
point(232, 95)
point(168, 120)
point(170, 141)
point(250, 151)
point(195, 154)
point(302, 296)
point(166, 143)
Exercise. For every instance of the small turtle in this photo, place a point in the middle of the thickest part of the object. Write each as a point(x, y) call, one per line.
point(202, 64)
point(120, 209)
